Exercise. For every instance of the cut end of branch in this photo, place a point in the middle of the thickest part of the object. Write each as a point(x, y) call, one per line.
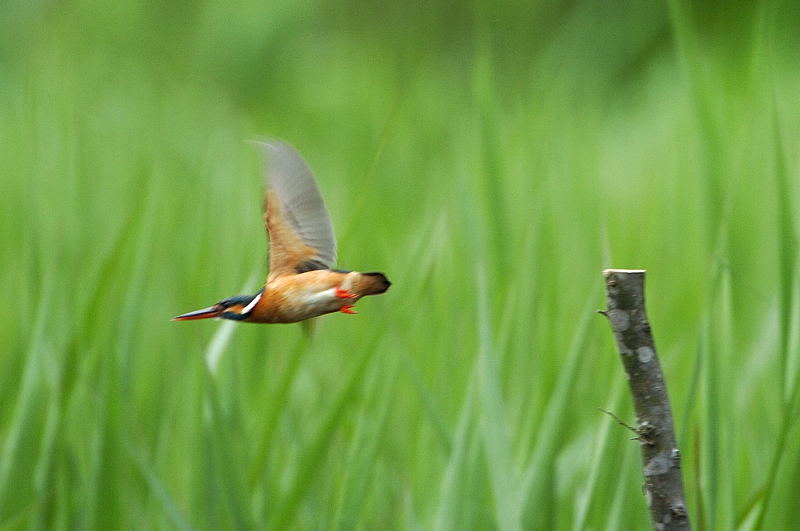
point(623, 271)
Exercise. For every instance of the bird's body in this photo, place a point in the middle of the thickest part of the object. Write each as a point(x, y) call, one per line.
point(293, 298)
point(301, 284)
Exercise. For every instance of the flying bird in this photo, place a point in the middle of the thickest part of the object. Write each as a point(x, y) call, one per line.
point(301, 283)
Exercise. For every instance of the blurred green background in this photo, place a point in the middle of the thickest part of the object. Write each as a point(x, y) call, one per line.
point(492, 159)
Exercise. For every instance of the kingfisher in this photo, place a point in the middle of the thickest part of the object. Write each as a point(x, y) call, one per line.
point(301, 283)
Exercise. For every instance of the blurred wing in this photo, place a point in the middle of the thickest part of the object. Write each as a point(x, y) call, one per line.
point(300, 232)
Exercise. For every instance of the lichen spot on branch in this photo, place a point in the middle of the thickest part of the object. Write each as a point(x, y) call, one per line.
point(645, 354)
point(620, 319)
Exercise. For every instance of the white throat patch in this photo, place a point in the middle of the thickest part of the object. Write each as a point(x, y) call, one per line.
point(249, 307)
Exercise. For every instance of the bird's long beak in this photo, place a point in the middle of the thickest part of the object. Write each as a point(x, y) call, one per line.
point(205, 313)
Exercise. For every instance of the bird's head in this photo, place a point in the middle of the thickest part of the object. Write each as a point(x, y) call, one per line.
point(236, 308)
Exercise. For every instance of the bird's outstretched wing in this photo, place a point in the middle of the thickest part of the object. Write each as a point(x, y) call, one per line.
point(300, 232)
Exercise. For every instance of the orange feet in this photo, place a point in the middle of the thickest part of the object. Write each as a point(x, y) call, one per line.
point(344, 294)
point(348, 309)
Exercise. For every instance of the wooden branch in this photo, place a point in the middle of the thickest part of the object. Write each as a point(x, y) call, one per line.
point(660, 455)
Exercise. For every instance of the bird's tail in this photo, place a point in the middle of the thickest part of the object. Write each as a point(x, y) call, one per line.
point(370, 284)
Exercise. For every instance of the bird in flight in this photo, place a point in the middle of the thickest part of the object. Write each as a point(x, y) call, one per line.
point(302, 251)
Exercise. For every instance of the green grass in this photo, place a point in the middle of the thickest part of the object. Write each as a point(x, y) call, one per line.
point(492, 160)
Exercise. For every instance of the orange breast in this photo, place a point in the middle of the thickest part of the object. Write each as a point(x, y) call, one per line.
point(293, 298)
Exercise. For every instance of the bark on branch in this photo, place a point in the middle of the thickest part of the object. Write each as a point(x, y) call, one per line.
point(656, 434)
